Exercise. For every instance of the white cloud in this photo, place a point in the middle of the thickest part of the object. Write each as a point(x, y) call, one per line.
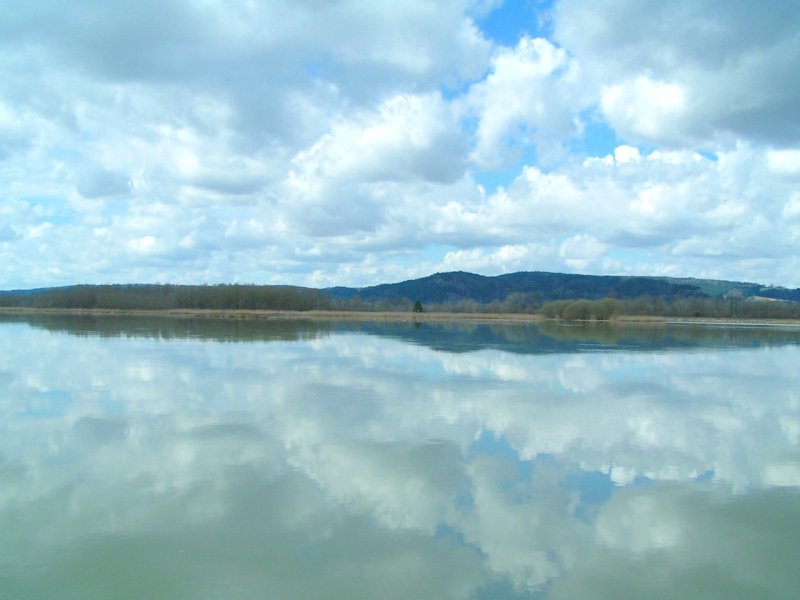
point(784, 162)
point(679, 206)
point(505, 259)
point(792, 208)
point(531, 95)
point(579, 251)
point(626, 154)
point(407, 138)
point(144, 245)
point(689, 72)
point(343, 183)
point(644, 109)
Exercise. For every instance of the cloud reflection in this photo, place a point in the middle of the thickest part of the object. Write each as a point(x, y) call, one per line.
point(348, 462)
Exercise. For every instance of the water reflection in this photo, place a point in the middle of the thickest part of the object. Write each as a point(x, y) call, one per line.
point(457, 336)
point(360, 461)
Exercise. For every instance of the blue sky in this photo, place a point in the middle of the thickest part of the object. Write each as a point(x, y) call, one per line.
point(359, 142)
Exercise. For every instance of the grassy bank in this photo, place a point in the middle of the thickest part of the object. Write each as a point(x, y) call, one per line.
point(389, 316)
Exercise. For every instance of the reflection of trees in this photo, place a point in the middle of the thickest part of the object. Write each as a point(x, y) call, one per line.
point(666, 335)
point(455, 336)
point(599, 332)
point(734, 336)
point(577, 336)
point(232, 330)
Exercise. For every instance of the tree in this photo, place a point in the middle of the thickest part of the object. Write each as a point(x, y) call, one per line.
point(417, 306)
point(579, 310)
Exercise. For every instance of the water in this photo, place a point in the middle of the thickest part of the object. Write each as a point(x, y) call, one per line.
point(240, 460)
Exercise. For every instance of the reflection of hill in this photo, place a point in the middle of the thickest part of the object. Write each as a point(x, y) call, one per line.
point(455, 337)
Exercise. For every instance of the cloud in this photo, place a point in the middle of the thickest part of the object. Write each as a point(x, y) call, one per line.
point(296, 143)
point(338, 186)
point(689, 213)
point(407, 138)
point(784, 162)
point(792, 208)
point(100, 183)
point(8, 233)
point(506, 258)
point(579, 251)
point(530, 96)
point(14, 130)
point(645, 109)
point(678, 205)
point(687, 72)
point(278, 65)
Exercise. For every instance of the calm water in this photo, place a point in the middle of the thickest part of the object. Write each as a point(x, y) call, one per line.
point(151, 459)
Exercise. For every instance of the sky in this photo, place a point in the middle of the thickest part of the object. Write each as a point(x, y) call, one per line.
point(345, 142)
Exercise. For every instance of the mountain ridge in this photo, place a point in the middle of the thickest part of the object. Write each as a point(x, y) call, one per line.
point(544, 286)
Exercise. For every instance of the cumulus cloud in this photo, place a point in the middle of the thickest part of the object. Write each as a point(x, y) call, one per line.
point(678, 205)
point(506, 258)
point(689, 72)
point(337, 186)
point(278, 65)
point(409, 137)
point(531, 96)
point(645, 109)
point(784, 162)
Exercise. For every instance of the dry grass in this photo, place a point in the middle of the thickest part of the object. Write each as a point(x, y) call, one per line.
point(282, 314)
point(332, 315)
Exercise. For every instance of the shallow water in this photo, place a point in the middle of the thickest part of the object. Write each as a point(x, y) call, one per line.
point(157, 458)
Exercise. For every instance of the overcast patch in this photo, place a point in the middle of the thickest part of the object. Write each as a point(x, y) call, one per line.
point(99, 183)
point(7, 233)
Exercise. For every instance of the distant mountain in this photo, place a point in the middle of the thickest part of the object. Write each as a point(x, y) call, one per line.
point(24, 292)
point(717, 288)
point(545, 287)
point(459, 286)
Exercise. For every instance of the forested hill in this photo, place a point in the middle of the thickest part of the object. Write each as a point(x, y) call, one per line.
point(459, 291)
point(539, 286)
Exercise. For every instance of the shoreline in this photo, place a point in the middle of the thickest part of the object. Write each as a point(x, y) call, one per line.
point(334, 315)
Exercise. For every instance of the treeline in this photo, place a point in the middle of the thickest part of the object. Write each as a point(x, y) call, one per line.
point(276, 297)
point(717, 308)
point(597, 310)
point(161, 297)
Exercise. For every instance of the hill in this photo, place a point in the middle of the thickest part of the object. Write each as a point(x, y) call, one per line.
point(542, 287)
point(454, 291)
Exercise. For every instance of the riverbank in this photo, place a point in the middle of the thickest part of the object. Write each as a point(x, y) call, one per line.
point(332, 315)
